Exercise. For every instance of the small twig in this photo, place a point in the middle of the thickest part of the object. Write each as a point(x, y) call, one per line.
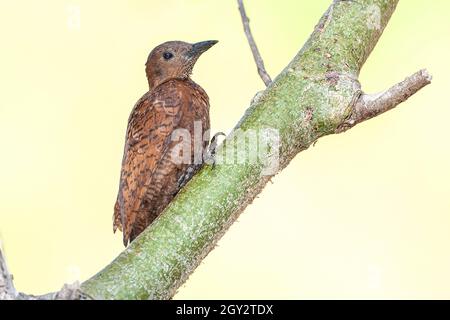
point(368, 106)
point(251, 41)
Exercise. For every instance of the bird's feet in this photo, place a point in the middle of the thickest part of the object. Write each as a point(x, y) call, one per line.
point(190, 172)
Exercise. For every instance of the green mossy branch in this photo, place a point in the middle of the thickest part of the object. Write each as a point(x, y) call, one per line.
point(311, 98)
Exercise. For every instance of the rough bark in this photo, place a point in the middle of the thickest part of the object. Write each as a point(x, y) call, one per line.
point(317, 94)
point(251, 41)
point(314, 96)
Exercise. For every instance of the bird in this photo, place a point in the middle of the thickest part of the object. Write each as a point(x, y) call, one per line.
point(150, 175)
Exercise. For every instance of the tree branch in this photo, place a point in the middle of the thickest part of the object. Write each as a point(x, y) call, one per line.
point(371, 105)
point(7, 290)
point(311, 98)
point(251, 41)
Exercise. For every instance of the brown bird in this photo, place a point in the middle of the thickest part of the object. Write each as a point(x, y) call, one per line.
point(150, 176)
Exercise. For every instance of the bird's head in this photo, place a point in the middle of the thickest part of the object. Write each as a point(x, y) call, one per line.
point(173, 60)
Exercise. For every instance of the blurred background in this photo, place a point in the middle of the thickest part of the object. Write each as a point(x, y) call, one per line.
point(364, 214)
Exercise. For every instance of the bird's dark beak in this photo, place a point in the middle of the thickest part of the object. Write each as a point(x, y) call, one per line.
point(200, 47)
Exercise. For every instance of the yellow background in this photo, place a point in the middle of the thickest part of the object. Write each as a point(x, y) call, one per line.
point(365, 214)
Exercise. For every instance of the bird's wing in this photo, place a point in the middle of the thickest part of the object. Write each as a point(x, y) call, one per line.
point(148, 137)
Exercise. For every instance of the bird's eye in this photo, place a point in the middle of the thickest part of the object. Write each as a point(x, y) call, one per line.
point(168, 55)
